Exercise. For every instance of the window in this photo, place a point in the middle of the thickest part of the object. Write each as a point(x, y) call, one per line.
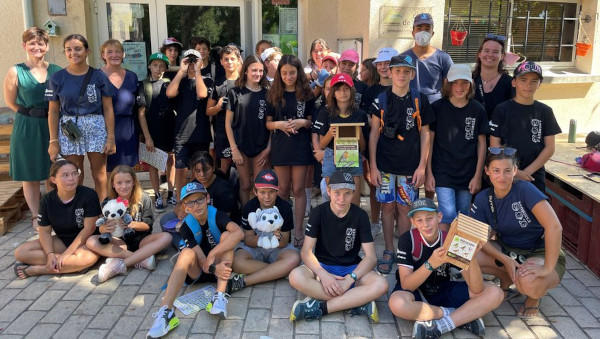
point(544, 31)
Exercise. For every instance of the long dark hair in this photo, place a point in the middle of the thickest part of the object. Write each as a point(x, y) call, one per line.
point(332, 105)
point(501, 69)
point(250, 59)
point(303, 92)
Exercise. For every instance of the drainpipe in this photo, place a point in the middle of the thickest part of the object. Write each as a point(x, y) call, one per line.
point(28, 13)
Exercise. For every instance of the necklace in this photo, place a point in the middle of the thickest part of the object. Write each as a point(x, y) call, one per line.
point(490, 82)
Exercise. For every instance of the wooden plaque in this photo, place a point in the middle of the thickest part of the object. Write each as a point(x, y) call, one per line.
point(464, 236)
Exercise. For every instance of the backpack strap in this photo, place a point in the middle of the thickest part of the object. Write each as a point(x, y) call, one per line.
point(194, 225)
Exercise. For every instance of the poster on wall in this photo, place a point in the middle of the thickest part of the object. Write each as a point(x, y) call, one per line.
point(396, 22)
point(135, 58)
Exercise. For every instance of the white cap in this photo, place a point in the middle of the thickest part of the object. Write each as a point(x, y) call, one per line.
point(460, 71)
point(385, 54)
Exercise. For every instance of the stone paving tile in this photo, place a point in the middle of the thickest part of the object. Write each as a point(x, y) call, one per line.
point(42, 331)
point(73, 326)
point(281, 329)
point(46, 301)
point(231, 329)
point(60, 312)
point(25, 322)
point(568, 328)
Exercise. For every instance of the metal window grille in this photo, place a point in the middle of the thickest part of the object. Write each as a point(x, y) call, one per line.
point(542, 31)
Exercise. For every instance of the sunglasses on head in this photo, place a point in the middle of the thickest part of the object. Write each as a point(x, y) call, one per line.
point(505, 150)
point(495, 37)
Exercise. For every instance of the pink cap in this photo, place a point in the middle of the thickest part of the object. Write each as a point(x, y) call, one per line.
point(342, 78)
point(350, 55)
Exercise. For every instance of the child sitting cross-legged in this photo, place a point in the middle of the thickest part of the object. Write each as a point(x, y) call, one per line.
point(424, 291)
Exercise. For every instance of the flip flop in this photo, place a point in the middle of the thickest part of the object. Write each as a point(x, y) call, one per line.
point(389, 262)
point(22, 269)
point(524, 309)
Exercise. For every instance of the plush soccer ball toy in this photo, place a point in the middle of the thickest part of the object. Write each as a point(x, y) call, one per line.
point(115, 209)
point(264, 222)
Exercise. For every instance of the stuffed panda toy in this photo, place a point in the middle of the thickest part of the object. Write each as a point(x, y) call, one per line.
point(264, 222)
point(115, 209)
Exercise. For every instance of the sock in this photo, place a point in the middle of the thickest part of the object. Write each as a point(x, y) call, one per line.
point(447, 310)
point(323, 307)
point(445, 324)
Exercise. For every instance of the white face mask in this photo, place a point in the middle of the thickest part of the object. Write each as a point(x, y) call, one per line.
point(422, 38)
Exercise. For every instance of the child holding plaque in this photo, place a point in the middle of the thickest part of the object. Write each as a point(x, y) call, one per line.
point(423, 272)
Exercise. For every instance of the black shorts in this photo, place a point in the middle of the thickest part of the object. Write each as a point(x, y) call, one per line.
point(184, 152)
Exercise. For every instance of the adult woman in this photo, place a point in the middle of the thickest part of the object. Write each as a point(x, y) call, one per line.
point(24, 87)
point(124, 102)
point(88, 109)
point(139, 248)
point(71, 212)
point(172, 49)
point(492, 82)
point(528, 233)
point(245, 124)
point(368, 72)
point(289, 114)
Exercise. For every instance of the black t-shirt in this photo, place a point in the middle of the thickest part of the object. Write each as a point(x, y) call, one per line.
point(208, 240)
point(249, 123)
point(192, 123)
point(324, 121)
point(338, 239)
point(369, 97)
point(223, 197)
point(404, 258)
point(284, 207)
point(524, 127)
point(457, 130)
point(397, 156)
point(502, 92)
point(293, 150)
point(360, 88)
point(222, 86)
point(67, 220)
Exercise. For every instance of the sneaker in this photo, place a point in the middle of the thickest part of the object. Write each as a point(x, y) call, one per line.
point(111, 268)
point(425, 330)
point(172, 201)
point(309, 309)
point(235, 283)
point(476, 327)
point(164, 321)
point(219, 304)
point(369, 309)
point(376, 229)
point(159, 205)
point(148, 263)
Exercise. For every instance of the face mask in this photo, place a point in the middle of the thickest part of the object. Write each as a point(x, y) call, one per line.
point(422, 38)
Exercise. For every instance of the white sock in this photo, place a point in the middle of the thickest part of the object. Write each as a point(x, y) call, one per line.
point(445, 324)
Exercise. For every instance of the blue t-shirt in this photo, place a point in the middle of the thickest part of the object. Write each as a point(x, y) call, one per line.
point(517, 226)
point(65, 87)
point(431, 73)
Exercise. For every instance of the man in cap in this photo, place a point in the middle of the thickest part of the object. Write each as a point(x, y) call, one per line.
point(335, 277)
point(210, 237)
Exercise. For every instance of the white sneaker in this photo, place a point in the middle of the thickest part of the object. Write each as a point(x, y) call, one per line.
point(219, 304)
point(148, 263)
point(111, 268)
point(164, 321)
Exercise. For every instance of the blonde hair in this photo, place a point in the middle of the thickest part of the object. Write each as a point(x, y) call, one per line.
point(135, 200)
point(110, 42)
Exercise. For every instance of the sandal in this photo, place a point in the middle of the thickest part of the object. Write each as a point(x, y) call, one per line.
point(389, 263)
point(298, 242)
point(20, 267)
point(525, 308)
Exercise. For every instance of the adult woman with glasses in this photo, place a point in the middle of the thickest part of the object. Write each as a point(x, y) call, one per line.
point(526, 250)
point(492, 82)
point(71, 212)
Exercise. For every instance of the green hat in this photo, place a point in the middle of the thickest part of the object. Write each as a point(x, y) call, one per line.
point(159, 56)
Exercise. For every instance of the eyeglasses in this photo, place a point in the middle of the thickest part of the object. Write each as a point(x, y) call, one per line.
point(495, 37)
point(193, 203)
point(505, 150)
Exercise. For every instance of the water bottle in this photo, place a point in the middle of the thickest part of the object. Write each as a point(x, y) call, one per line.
point(572, 131)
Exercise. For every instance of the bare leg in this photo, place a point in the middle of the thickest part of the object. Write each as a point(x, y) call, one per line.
point(31, 191)
point(98, 167)
point(257, 271)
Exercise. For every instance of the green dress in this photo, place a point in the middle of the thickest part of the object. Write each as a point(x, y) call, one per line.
point(29, 159)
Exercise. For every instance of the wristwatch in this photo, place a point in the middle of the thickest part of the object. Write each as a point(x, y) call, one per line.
point(211, 269)
point(428, 266)
point(353, 276)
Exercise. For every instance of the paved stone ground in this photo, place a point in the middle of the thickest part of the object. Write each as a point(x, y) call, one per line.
point(76, 306)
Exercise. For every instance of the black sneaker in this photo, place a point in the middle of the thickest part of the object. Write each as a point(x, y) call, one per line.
point(425, 330)
point(476, 327)
point(309, 309)
point(235, 283)
point(368, 309)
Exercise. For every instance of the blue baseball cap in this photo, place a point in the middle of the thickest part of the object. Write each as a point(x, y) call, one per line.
point(191, 188)
point(422, 204)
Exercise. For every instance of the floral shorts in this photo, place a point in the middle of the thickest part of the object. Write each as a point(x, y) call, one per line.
point(93, 139)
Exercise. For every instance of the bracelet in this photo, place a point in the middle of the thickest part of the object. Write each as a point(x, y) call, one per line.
point(52, 141)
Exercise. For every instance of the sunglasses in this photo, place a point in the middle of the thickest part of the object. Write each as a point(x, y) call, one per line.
point(193, 203)
point(495, 37)
point(505, 150)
